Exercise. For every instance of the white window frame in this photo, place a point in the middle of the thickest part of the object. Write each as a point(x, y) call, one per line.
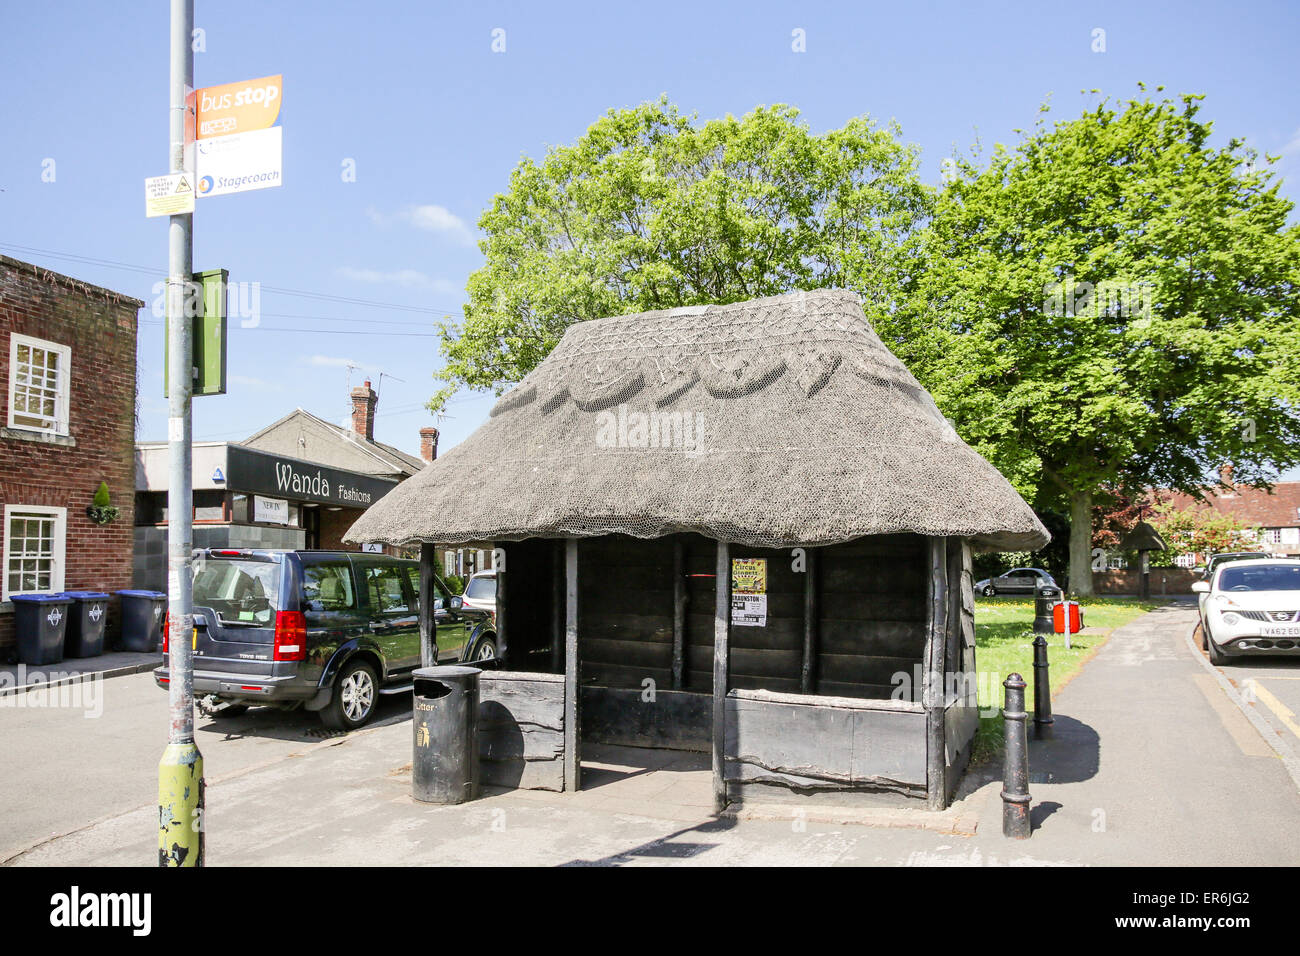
point(60, 545)
point(64, 387)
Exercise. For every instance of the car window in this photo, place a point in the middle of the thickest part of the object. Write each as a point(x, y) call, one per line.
point(413, 577)
point(482, 588)
point(384, 582)
point(328, 587)
point(1260, 578)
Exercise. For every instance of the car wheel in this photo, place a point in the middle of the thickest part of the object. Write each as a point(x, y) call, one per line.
point(487, 650)
point(989, 591)
point(353, 701)
point(1216, 656)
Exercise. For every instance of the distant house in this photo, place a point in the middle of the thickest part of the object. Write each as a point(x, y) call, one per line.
point(1276, 512)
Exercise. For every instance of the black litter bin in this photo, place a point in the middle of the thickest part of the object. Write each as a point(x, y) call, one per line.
point(142, 619)
point(41, 621)
point(86, 620)
point(1045, 598)
point(444, 768)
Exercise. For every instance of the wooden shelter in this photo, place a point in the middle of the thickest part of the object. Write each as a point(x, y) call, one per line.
point(741, 529)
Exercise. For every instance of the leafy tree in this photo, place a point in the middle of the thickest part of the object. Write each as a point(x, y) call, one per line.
point(1199, 530)
point(650, 209)
point(1112, 303)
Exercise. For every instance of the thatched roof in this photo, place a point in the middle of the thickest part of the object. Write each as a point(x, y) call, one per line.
point(776, 422)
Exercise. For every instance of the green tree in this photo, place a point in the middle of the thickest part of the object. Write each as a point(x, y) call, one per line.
point(1112, 303)
point(651, 209)
point(1200, 530)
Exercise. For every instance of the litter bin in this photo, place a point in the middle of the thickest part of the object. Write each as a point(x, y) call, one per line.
point(444, 768)
point(142, 615)
point(86, 620)
point(41, 622)
point(1045, 597)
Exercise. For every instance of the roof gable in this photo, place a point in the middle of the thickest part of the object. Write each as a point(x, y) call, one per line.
point(300, 434)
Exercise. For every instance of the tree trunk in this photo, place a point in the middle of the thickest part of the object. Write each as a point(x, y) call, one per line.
point(1081, 543)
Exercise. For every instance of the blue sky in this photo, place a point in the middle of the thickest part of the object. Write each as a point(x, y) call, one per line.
point(435, 120)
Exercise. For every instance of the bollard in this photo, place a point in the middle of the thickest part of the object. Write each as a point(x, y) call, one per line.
point(1015, 762)
point(1042, 691)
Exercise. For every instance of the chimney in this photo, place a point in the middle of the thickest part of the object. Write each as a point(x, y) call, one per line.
point(364, 401)
point(429, 443)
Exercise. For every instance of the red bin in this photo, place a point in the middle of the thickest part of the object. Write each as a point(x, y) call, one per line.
point(1059, 618)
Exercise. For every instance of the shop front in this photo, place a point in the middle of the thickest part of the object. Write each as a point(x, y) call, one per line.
point(246, 498)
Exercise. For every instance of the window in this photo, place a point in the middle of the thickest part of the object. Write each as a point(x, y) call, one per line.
point(328, 587)
point(1272, 536)
point(386, 594)
point(33, 549)
point(38, 384)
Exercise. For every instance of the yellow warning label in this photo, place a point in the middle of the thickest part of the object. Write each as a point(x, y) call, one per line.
point(170, 195)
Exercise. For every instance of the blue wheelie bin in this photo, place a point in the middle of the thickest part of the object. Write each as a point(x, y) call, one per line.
point(142, 620)
point(41, 621)
point(86, 620)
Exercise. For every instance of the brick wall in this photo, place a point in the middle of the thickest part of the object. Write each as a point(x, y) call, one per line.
point(100, 328)
point(333, 525)
point(1164, 581)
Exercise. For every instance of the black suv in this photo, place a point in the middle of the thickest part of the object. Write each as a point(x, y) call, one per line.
point(326, 630)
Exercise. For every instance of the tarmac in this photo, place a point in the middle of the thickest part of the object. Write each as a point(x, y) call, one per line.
point(1151, 763)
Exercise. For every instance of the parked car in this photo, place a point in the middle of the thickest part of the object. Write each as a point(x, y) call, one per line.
point(1224, 556)
point(481, 591)
point(330, 631)
point(1251, 607)
point(1015, 581)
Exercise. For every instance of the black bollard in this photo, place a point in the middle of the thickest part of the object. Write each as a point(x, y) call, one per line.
point(1042, 691)
point(1015, 762)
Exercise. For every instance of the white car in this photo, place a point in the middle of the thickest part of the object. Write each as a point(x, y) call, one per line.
point(481, 591)
point(1251, 608)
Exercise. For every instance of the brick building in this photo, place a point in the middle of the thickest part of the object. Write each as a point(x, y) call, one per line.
point(68, 364)
point(1275, 512)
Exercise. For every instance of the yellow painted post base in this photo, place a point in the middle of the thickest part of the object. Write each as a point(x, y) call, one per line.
point(180, 806)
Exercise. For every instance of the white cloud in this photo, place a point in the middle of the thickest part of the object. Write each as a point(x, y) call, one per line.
point(408, 278)
point(431, 218)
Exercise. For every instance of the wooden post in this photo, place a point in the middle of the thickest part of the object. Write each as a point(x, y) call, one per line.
point(572, 763)
point(808, 672)
point(557, 607)
point(934, 695)
point(502, 615)
point(679, 613)
point(721, 633)
point(428, 594)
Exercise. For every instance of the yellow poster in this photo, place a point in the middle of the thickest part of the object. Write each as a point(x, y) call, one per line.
point(749, 575)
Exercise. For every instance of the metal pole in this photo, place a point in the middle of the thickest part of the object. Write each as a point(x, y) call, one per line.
point(1043, 719)
point(1015, 762)
point(180, 772)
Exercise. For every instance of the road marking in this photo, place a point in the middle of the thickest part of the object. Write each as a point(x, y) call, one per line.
point(1283, 713)
point(1241, 730)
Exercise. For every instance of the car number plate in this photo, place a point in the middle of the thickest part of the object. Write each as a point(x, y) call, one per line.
point(1290, 630)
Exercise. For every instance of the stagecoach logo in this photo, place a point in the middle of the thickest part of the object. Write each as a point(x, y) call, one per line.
point(54, 617)
point(96, 612)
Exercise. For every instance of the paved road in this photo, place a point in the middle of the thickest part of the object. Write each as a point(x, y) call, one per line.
point(97, 754)
point(1152, 764)
point(1271, 687)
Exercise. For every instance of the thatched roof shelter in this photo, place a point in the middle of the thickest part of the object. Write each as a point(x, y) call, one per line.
point(776, 422)
point(1143, 537)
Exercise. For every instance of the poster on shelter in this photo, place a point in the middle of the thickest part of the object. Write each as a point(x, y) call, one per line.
point(749, 592)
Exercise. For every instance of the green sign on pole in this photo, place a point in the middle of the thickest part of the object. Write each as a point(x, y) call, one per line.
point(207, 306)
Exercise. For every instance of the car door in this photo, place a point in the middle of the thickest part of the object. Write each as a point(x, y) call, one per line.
point(394, 618)
point(453, 629)
point(1017, 581)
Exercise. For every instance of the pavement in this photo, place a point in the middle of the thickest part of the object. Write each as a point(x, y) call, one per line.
point(15, 678)
point(1151, 763)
